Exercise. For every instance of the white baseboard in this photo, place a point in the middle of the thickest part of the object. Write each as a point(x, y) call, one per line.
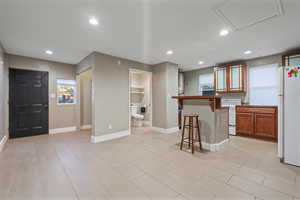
point(3, 142)
point(214, 147)
point(62, 130)
point(83, 127)
point(102, 138)
point(165, 130)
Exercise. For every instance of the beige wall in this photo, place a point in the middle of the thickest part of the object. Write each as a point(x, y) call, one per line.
point(60, 116)
point(86, 98)
point(191, 79)
point(85, 63)
point(159, 88)
point(172, 90)
point(3, 93)
point(165, 85)
point(110, 90)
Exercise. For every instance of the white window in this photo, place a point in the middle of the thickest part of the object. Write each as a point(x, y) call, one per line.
point(264, 85)
point(205, 82)
point(66, 92)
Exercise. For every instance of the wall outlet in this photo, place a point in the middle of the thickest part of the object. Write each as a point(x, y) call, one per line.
point(109, 126)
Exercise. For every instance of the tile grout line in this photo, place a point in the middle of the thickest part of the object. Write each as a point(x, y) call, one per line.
point(67, 175)
point(270, 188)
point(148, 174)
point(227, 182)
point(37, 157)
point(120, 174)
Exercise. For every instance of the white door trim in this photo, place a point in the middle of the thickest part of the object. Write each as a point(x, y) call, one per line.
point(3, 142)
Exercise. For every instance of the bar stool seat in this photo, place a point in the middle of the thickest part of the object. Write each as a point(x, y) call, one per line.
point(190, 126)
point(191, 115)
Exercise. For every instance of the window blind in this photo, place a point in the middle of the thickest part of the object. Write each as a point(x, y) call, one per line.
point(264, 85)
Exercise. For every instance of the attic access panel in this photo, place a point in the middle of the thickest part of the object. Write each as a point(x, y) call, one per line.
point(242, 14)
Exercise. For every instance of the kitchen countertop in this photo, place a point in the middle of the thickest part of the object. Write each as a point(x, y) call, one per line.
point(214, 101)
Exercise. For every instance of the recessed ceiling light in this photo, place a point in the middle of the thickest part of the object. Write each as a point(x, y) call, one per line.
point(93, 21)
point(224, 32)
point(49, 52)
point(170, 52)
point(248, 52)
point(200, 62)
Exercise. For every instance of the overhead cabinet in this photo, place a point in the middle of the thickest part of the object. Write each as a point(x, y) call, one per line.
point(220, 77)
point(230, 78)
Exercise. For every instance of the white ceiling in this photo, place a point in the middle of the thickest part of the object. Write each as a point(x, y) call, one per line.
point(143, 30)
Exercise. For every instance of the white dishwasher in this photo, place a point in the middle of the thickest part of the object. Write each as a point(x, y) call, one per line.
point(231, 103)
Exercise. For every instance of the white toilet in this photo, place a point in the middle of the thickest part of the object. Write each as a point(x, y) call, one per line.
point(137, 119)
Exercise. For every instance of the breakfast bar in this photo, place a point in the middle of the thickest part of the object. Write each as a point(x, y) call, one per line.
point(213, 118)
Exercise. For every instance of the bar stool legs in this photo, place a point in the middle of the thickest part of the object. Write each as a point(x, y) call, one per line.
point(190, 139)
point(183, 130)
point(199, 136)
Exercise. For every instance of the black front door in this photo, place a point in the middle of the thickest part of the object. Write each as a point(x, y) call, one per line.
point(28, 96)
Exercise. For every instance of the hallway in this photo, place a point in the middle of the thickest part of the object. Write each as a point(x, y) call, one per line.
point(145, 165)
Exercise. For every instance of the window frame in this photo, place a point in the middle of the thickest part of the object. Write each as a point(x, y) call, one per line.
point(74, 84)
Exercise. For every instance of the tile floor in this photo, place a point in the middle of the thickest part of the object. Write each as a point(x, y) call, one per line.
point(145, 165)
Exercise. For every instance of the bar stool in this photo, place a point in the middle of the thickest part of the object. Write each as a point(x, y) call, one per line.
point(190, 139)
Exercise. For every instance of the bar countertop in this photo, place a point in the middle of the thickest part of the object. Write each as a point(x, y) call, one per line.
point(214, 101)
point(196, 97)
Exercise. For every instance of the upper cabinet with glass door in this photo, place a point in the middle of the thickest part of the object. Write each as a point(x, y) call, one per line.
point(237, 78)
point(220, 77)
point(230, 78)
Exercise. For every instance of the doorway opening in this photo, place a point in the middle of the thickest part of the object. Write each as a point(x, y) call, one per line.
point(140, 98)
point(84, 80)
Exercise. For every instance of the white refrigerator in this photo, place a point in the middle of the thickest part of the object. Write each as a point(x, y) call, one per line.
point(289, 118)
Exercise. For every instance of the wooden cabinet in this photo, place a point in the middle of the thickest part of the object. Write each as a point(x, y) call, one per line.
point(257, 121)
point(245, 123)
point(230, 78)
point(265, 125)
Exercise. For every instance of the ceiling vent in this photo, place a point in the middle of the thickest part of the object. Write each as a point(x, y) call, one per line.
point(243, 14)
